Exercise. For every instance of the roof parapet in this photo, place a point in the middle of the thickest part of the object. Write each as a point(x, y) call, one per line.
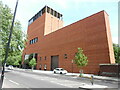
point(44, 10)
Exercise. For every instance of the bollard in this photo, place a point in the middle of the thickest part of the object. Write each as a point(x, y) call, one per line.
point(92, 79)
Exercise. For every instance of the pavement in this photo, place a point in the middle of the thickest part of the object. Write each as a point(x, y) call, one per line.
point(75, 75)
point(66, 80)
point(87, 86)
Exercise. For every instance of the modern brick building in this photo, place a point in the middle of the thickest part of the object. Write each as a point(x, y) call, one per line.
point(55, 45)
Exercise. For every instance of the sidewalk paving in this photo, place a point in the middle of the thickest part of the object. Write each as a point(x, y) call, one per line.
point(75, 75)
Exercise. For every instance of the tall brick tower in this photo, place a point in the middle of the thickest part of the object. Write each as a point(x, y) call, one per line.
point(43, 23)
point(52, 20)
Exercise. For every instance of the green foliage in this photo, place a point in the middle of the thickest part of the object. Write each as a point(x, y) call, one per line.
point(26, 61)
point(116, 48)
point(32, 62)
point(30, 56)
point(16, 45)
point(16, 63)
point(80, 59)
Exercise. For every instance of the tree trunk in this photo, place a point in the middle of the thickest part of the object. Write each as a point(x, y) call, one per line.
point(81, 72)
point(32, 67)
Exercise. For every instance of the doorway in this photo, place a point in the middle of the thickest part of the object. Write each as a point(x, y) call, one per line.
point(54, 62)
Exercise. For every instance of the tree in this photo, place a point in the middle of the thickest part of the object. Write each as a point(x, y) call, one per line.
point(31, 56)
point(16, 45)
point(16, 63)
point(116, 52)
point(80, 60)
point(32, 63)
point(26, 61)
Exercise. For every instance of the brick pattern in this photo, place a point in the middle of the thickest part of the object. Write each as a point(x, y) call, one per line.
point(92, 34)
point(112, 70)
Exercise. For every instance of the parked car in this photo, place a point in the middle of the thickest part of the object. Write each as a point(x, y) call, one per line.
point(10, 67)
point(60, 71)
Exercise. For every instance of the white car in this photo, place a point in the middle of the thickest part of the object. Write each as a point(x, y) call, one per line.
point(60, 71)
point(10, 67)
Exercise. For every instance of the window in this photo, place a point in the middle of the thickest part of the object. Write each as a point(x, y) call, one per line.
point(48, 9)
point(34, 40)
point(52, 11)
point(43, 10)
point(30, 21)
point(55, 13)
point(59, 15)
point(30, 41)
point(39, 14)
point(65, 56)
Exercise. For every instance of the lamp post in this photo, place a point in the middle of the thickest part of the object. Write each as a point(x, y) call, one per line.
point(8, 44)
point(72, 66)
point(92, 79)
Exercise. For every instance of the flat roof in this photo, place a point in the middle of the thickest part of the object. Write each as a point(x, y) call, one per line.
point(42, 11)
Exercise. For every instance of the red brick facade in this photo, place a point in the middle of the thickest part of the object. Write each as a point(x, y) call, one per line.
point(92, 34)
point(110, 70)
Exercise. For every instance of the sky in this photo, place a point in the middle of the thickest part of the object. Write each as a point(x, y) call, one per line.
point(72, 10)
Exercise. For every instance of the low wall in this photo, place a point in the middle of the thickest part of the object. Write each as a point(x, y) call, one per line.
point(112, 70)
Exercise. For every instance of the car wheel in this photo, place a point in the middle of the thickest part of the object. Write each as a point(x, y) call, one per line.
point(54, 72)
point(60, 72)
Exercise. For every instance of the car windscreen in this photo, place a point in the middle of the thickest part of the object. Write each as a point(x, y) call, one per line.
point(57, 69)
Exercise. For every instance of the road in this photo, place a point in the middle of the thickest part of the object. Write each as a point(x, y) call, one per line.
point(28, 79)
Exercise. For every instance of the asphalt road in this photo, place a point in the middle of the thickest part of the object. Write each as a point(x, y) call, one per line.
point(28, 80)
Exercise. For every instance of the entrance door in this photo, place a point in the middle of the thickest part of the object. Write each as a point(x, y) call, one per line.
point(54, 62)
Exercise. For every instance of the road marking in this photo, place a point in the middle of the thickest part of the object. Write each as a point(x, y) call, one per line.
point(42, 79)
point(14, 82)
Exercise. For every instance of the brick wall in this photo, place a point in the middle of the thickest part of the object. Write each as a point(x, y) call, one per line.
point(110, 70)
point(92, 34)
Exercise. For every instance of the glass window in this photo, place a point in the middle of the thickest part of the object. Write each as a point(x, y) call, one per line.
point(65, 56)
point(48, 9)
point(39, 14)
point(52, 11)
point(57, 69)
point(36, 39)
point(62, 69)
point(30, 41)
point(43, 10)
point(55, 13)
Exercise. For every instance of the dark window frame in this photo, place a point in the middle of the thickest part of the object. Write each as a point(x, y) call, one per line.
point(33, 40)
point(65, 56)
